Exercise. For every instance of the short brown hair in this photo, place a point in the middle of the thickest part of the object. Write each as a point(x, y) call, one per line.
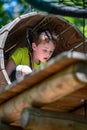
point(44, 35)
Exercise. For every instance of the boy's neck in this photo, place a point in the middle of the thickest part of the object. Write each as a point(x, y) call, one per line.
point(36, 61)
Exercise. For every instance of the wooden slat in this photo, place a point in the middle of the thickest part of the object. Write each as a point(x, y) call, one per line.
point(4, 80)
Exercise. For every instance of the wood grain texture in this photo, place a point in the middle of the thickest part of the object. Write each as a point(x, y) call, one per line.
point(49, 90)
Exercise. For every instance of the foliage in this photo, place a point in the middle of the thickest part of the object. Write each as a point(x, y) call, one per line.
point(23, 7)
point(80, 23)
point(8, 11)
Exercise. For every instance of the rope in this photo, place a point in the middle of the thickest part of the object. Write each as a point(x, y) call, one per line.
point(58, 9)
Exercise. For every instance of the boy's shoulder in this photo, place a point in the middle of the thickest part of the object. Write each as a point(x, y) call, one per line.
point(22, 49)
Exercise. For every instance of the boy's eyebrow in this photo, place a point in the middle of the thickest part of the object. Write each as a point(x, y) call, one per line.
point(45, 47)
point(48, 48)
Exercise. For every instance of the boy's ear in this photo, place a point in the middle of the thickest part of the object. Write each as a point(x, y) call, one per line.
point(33, 45)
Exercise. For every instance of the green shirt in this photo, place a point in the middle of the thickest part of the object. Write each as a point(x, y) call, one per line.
point(21, 57)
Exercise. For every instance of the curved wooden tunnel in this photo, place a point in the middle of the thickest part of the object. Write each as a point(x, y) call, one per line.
point(13, 35)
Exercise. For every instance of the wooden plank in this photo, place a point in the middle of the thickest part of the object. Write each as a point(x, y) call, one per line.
point(37, 119)
point(4, 80)
point(56, 64)
point(49, 90)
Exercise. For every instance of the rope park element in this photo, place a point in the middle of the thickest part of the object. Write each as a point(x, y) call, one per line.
point(58, 9)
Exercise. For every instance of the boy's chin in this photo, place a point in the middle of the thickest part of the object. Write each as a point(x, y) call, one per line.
point(43, 61)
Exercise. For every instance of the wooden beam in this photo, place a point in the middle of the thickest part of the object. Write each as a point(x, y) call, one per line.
point(49, 90)
point(37, 119)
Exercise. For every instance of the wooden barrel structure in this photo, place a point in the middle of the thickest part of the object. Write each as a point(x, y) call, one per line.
point(51, 94)
point(14, 34)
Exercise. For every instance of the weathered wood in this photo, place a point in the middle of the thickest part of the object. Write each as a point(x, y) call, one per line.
point(4, 126)
point(37, 119)
point(11, 33)
point(51, 89)
point(4, 79)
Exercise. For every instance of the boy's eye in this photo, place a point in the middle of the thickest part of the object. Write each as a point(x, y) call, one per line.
point(45, 50)
point(51, 52)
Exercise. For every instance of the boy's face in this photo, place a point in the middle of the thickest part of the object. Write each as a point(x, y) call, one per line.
point(43, 51)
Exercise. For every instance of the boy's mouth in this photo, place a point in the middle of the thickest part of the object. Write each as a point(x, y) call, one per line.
point(45, 59)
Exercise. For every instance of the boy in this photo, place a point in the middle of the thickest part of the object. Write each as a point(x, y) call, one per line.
point(43, 46)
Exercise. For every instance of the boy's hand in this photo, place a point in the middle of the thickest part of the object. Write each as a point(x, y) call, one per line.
point(22, 70)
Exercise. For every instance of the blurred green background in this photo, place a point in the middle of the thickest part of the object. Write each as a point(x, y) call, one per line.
point(10, 9)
